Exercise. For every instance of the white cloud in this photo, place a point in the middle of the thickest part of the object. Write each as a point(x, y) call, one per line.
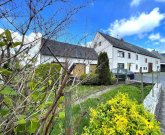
point(160, 0)
point(150, 49)
point(141, 24)
point(154, 37)
point(162, 40)
point(157, 37)
point(32, 40)
point(135, 3)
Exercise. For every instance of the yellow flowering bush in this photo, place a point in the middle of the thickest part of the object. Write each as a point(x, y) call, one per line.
point(121, 116)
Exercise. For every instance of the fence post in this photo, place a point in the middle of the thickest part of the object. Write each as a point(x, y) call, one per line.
point(117, 75)
point(68, 113)
point(141, 73)
point(157, 77)
point(152, 83)
point(125, 76)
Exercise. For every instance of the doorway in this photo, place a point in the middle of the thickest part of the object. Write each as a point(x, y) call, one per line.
point(150, 66)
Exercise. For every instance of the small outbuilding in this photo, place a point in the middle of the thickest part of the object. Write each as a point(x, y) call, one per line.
point(162, 59)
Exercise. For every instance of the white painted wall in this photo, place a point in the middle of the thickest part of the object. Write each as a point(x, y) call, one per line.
point(140, 62)
point(114, 59)
point(48, 59)
point(104, 47)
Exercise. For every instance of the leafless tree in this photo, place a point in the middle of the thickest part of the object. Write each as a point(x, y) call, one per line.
point(49, 17)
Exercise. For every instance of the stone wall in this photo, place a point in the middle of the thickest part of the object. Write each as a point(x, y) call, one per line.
point(151, 102)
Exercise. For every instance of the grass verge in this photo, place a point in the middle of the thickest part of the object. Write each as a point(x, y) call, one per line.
point(80, 113)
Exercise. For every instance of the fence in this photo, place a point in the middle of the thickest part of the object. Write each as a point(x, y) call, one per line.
point(154, 77)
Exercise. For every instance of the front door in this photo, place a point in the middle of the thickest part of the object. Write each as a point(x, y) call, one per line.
point(150, 65)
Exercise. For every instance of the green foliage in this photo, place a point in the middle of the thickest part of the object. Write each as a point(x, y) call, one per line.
point(5, 72)
point(113, 79)
point(133, 91)
point(39, 92)
point(8, 40)
point(121, 116)
point(8, 91)
point(89, 79)
point(103, 71)
point(85, 90)
point(48, 69)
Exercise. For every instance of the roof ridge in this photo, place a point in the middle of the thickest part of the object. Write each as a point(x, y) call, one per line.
point(123, 41)
point(68, 50)
point(69, 44)
point(127, 44)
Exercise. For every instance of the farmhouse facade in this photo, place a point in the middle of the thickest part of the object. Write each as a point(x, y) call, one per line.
point(125, 55)
point(120, 53)
point(84, 58)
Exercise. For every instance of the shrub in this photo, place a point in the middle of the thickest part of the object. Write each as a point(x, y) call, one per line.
point(121, 116)
point(89, 79)
point(48, 71)
point(103, 71)
point(113, 80)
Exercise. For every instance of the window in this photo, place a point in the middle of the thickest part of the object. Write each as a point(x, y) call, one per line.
point(120, 65)
point(157, 62)
point(137, 57)
point(129, 55)
point(99, 43)
point(144, 68)
point(145, 60)
point(121, 54)
point(136, 67)
point(95, 44)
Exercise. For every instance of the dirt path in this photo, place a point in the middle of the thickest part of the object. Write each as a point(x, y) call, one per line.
point(95, 95)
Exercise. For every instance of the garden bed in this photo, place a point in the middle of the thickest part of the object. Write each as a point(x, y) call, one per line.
point(80, 113)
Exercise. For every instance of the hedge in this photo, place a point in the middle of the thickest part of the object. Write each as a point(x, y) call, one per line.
point(121, 116)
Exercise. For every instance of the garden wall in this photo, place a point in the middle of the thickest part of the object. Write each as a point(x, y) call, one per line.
point(152, 100)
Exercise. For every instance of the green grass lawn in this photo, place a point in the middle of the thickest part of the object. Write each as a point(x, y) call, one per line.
point(80, 113)
point(85, 90)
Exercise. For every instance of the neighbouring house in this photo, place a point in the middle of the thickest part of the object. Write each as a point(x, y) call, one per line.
point(125, 55)
point(120, 53)
point(162, 60)
point(84, 58)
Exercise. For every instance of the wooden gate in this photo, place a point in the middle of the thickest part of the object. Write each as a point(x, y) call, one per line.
point(79, 70)
point(93, 68)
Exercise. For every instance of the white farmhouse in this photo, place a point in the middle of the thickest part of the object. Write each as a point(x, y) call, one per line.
point(120, 53)
point(125, 55)
point(84, 58)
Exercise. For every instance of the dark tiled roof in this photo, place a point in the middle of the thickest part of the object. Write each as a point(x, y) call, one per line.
point(163, 54)
point(162, 58)
point(127, 46)
point(67, 50)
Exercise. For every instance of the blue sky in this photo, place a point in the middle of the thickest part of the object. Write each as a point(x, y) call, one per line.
point(141, 22)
